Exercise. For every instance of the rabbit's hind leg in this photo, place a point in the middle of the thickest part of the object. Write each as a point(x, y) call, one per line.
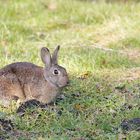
point(10, 89)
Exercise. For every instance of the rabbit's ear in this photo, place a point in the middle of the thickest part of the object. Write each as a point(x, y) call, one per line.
point(55, 55)
point(46, 57)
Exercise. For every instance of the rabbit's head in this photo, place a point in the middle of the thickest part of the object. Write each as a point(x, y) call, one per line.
point(53, 73)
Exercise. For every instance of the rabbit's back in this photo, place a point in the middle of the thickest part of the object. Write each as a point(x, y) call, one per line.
point(22, 72)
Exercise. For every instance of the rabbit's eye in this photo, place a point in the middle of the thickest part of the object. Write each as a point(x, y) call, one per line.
point(55, 72)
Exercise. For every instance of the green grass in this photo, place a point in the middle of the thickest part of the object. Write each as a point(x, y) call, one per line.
point(100, 48)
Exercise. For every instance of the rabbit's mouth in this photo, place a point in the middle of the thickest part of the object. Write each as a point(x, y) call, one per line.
point(65, 85)
point(60, 85)
point(54, 83)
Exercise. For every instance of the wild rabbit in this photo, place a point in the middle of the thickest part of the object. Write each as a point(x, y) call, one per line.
point(25, 81)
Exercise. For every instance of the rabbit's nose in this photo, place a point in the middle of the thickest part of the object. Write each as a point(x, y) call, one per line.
point(68, 83)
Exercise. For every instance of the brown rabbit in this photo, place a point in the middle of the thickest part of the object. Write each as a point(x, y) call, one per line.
point(26, 81)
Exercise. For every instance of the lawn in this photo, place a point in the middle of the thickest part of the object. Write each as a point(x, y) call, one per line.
point(100, 48)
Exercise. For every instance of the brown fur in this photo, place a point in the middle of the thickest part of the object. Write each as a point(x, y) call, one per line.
point(26, 81)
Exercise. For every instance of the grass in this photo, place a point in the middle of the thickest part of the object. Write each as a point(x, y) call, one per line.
point(100, 50)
